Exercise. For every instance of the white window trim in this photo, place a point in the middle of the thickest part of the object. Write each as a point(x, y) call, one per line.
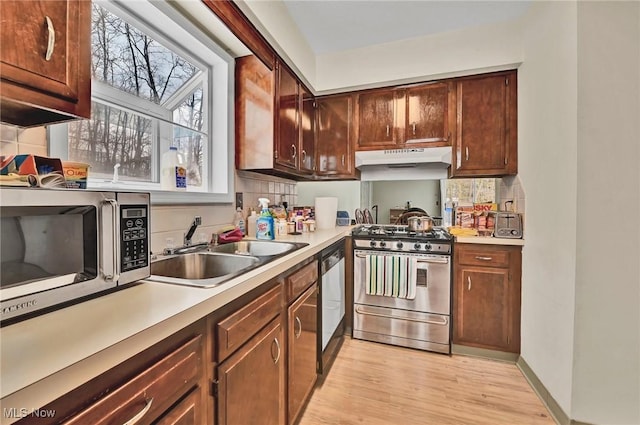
point(220, 122)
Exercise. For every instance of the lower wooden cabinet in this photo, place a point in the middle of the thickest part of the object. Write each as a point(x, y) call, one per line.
point(189, 411)
point(487, 281)
point(251, 381)
point(303, 338)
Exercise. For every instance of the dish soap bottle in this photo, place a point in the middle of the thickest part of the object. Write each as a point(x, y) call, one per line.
point(238, 221)
point(251, 224)
point(264, 224)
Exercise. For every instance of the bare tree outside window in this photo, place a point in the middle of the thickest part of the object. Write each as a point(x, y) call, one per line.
point(130, 61)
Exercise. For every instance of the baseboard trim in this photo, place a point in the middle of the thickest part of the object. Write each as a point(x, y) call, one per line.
point(502, 356)
point(552, 405)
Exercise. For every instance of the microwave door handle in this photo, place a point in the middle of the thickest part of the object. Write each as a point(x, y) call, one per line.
point(110, 268)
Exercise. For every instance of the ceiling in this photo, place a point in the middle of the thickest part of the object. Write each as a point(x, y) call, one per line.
point(336, 25)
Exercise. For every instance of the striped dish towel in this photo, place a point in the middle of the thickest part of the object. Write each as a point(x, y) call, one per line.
point(374, 274)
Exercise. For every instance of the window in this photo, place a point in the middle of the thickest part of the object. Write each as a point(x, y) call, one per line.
point(157, 82)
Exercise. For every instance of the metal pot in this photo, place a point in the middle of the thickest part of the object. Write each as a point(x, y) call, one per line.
point(420, 223)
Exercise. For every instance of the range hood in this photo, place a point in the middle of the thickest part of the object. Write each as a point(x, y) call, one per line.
point(404, 164)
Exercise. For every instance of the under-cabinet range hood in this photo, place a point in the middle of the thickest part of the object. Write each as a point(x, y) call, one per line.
point(404, 164)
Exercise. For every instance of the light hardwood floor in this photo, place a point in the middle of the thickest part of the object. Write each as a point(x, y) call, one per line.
point(377, 384)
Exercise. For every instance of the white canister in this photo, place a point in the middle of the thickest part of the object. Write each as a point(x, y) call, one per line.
point(326, 210)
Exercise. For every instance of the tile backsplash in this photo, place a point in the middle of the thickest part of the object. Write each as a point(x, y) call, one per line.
point(17, 140)
point(171, 222)
point(511, 189)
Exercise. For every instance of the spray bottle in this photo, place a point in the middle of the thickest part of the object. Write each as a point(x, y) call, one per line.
point(264, 224)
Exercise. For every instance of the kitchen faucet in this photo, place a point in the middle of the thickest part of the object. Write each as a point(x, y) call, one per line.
point(197, 221)
point(188, 246)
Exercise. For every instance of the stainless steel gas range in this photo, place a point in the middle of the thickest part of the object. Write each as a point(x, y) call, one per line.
point(402, 286)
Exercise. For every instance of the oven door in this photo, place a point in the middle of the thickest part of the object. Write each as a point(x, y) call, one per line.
point(433, 286)
point(56, 246)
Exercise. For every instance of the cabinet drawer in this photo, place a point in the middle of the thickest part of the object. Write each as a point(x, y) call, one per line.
point(236, 329)
point(187, 412)
point(151, 392)
point(483, 256)
point(300, 280)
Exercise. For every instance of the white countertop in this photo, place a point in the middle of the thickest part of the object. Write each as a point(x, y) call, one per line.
point(47, 356)
point(489, 240)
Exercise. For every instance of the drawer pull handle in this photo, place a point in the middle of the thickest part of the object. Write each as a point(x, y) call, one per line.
point(484, 258)
point(304, 155)
point(140, 414)
point(387, 130)
point(51, 41)
point(467, 152)
point(294, 151)
point(343, 160)
point(414, 128)
point(277, 357)
point(469, 283)
point(300, 327)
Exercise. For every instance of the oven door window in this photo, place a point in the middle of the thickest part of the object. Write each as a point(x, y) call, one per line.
point(57, 244)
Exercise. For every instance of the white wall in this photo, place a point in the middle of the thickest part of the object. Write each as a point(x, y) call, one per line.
point(461, 52)
point(547, 166)
point(276, 25)
point(606, 368)
point(347, 192)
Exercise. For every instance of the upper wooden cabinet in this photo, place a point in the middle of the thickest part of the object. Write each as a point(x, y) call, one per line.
point(486, 136)
point(415, 116)
point(275, 124)
point(430, 114)
point(376, 112)
point(335, 133)
point(45, 61)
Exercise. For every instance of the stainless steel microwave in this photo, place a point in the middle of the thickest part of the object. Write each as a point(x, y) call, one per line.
point(58, 246)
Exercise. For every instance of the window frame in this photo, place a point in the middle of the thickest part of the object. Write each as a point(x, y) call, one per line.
point(161, 22)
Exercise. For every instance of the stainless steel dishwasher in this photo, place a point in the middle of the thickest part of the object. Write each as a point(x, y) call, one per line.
point(331, 301)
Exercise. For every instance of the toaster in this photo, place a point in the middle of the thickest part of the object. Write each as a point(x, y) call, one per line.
point(507, 225)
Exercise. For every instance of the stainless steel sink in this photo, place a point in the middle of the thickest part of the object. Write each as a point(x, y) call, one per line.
point(206, 269)
point(258, 248)
point(202, 269)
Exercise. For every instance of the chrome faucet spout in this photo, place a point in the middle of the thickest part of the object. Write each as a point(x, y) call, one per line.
point(197, 221)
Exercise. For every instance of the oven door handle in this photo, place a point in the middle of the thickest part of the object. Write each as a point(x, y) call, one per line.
point(443, 322)
point(443, 260)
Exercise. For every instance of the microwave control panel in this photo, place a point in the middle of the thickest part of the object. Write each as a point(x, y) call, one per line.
point(134, 237)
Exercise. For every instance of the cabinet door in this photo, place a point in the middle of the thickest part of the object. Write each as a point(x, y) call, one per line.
point(48, 65)
point(255, 97)
point(486, 139)
point(334, 148)
point(251, 382)
point(287, 139)
point(483, 311)
point(303, 332)
point(430, 115)
point(377, 120)
point(307, 132)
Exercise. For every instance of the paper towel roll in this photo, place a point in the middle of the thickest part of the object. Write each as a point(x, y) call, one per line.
point(326, 209)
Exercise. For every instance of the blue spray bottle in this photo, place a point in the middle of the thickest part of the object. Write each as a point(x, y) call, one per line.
point(264, 224)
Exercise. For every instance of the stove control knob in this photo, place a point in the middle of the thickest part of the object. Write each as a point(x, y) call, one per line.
point(416, 246)
point(383, 244)
point(373, 244)
point(427, 247)
point(399, 245)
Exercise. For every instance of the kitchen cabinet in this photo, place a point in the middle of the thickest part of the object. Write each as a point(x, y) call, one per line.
point(376, 114)
point(485, 143)
point(251, 350)
point(164, 384)
point(335, 135)
point(45, 61)
point(406, 117)
point(275, 124)
point(487, 282)
point(302, 341)
point(251, 381)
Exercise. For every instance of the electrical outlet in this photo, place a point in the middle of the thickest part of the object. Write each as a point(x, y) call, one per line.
point(239, 200)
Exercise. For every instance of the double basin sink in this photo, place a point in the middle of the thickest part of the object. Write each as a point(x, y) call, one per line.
point(217, 264)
